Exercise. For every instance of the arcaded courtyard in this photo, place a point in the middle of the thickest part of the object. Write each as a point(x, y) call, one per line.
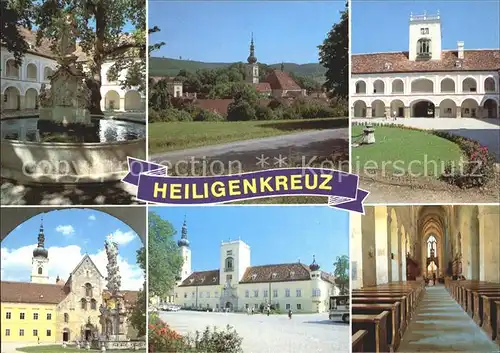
point(274, 333)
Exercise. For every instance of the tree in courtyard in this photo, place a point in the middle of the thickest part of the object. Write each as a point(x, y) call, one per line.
point(165, 259)
point(138, 315)
point(334, 56)
point(15, 14)
point(159, 96)
point(101, 34)
point(341, 273)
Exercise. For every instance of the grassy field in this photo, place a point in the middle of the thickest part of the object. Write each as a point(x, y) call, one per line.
point(404, 151)
point(170, 136)
point(59, 349)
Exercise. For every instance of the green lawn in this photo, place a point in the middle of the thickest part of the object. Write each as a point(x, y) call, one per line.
point(169, 136)
point(403, 151)
point(58, 348)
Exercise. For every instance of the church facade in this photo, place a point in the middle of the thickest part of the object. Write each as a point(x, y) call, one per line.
point(426, 80)
point(54, 312)
point(21, 85)
point(237, 285)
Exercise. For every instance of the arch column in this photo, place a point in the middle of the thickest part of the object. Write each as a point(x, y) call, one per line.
point(459, 112)
point(407, 112)
point(402, 254)
point(369, 111)
point(489, 243)
point(122, 104)
point(357, 250)
point(436, 111)
point(381, 241)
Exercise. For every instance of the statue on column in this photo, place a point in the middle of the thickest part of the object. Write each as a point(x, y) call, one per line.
point(113, 278)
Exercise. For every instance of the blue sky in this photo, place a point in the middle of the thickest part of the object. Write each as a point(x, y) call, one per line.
point(220, 31)
point(275, 234)
point(69, 234)
point(382, 26)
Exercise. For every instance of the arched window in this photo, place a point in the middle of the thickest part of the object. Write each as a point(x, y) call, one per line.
point(424, 47)
point(40, 270)
point(229, 264)
point(66, 317)
point(88, 290)
point(93, 304)
point(431, 246)
point(84, 303)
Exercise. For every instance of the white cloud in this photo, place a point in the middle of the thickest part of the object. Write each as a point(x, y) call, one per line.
point(92, 217)
point(16, 265)
point(66, 230)
point(122, 238)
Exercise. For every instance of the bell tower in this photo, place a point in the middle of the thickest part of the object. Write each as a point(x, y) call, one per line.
point(183, 243)
point(252, 70)
point(40, 260)
point(425, 37)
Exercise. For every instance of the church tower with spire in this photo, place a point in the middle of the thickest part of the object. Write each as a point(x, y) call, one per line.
point(183, 243)
point(40, 260)
point(252, 70)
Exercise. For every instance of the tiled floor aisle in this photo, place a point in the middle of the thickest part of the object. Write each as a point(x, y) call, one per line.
point(441, 325)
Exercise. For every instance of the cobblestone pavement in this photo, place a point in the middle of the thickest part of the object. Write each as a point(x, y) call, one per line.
point(266, 334)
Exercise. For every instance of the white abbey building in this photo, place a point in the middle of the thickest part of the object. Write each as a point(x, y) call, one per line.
point(237, 285)
point(21, 85)
point(426, 81)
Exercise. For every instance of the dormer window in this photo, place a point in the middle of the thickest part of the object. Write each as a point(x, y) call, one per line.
point(254, 276)
point(387, 66)
point(191, 280)
point(214, 279)
point(458, 64)
point(292, 274)
point(202, 279)
point(424, 48)
point(274, 275)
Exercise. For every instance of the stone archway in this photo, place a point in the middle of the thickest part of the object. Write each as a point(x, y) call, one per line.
point(398, 86)
point(14, 216)
point(469, 108)
point(11, 99)
point(422, 85)
point(133, 100)
point(361, 87)
point(447, 85)
point(11, 70)
point(490, 108)
point(469, 85)
point(112, 101)
point(378, 109)
point(423, 109)
point(489, 85)
point(398, 108)
point(359, 109)
point(378, 87)
point(66, 335)
point(31, 99)
point(228, 306)
point(447, 109)
point(31, 72)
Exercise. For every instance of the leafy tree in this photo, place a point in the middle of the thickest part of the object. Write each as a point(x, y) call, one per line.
point(334, 56)
point(159, 97)
point(341, 273)
point(240, 110)
point(15, 14)
point(138, 315)
point(100, 32)
point(165, 259)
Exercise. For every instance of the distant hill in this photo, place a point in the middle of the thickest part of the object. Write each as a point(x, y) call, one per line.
point(171, 67)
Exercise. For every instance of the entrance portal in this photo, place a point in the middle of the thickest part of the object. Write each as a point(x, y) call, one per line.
point(88, 334)
point(65, 335)
point(424, 109)
point(229, 305)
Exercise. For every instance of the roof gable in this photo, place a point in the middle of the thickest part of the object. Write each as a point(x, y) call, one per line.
point(202, 278)
point(82, 262)
point(280, 80)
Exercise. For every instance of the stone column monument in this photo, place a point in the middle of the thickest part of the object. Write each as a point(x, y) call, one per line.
point(67, 100)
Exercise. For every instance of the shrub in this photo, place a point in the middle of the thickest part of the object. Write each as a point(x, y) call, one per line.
point(173, 114)
point(161, 338)
point(240, 111)
point(207, 115)
point(215, 341)
point(290, 114)
point(264, 113)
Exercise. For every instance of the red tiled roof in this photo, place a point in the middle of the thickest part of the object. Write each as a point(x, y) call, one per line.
point(474, 60)
point(35, 293)
point(202, 278)
point(263, 87)
point(281, 80)
point(216, 105)
point(276, 273)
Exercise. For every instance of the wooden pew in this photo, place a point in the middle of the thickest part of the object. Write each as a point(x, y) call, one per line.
point(467, 302)
point(410, 304)
point(490, 316)
point(376, 327)
point(476, 307)
point(393, 319)
point(497, 339)
point(358, 341)
point(405, 317)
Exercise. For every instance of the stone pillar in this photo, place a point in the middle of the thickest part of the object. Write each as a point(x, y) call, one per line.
point(388, 111)
point(382, 252)
point(352, 112)
point(489, 243)
point(437, 111)
point(459, 112)
point(103, 103)
point(369, 273)
point(402, 254)
point(122, 104)
point(22, 102)
point(356, 245)
point(369, 112)
point(407, 112)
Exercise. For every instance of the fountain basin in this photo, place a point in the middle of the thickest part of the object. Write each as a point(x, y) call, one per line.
point(72, 163)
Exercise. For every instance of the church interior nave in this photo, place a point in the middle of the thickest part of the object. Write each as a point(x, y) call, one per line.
point(426, 279)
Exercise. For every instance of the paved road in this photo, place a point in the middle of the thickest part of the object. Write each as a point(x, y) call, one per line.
point(276, 333)
point(305, 144)
point(485, 131)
